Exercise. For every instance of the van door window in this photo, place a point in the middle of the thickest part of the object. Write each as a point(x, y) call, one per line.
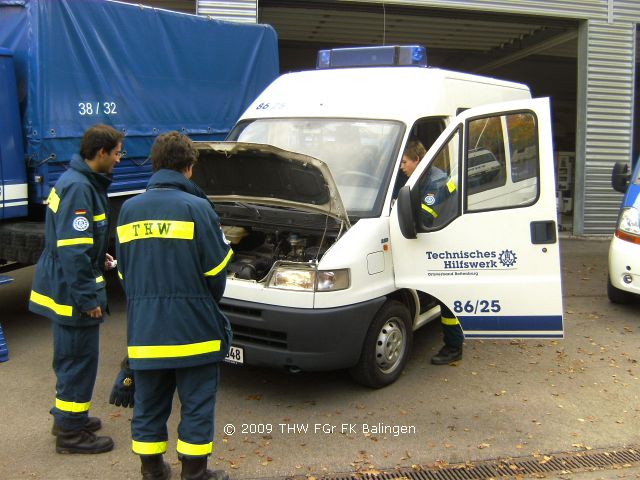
point(502, 166)
point(486, 168)
point(438, 188)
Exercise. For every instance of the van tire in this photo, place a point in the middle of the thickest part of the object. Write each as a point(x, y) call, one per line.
point(386, 347)
point(618, 296)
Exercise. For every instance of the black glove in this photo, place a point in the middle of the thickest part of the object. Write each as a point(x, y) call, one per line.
point(123, 388)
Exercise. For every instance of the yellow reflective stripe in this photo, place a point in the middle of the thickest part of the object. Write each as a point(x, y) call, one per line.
point(99, 279)
point(196, 450)
point(102, 216)
point(214, 271)
point(63, 310)
point(53, 200)
point(72, 407)
point(166, 351)
point(120, 275)
point(155, 229)
point(451, 186)
point(449, 321)
point(148, 448)
point(429, 210)
point(75, 241)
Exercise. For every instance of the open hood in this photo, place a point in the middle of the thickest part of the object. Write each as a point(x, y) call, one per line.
point(267, 175)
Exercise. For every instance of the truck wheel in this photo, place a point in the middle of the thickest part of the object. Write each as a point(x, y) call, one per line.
point(618, 296)
point(386, 347)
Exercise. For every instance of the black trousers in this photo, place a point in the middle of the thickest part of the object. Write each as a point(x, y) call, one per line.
point(451, 329)
point(197, 387)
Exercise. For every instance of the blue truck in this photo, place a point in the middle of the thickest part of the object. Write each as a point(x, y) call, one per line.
point(68, 64)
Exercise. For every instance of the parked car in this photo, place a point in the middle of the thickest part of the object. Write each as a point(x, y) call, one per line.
point(623, 283)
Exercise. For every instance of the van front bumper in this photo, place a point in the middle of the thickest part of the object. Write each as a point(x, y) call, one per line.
point(307, 339)
point(624, 260)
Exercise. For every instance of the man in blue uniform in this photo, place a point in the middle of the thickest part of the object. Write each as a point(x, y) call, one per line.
point(438, 205)
point(69, 286)
point(172, 261)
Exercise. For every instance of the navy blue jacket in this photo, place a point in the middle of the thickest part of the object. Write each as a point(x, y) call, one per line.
point(172, 261)
point(436, 207)
point(68, 279)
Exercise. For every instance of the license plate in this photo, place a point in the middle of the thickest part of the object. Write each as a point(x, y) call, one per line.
point(235, 355)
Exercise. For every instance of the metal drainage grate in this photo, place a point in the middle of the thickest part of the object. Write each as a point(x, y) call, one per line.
point(505, 468)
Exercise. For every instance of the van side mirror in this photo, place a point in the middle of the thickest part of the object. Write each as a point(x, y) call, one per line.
point(406, 217)
point(620, 177)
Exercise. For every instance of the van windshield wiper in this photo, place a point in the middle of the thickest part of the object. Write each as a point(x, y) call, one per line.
point(251, 208)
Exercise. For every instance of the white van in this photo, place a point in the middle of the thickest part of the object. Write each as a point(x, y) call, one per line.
point(334, 266)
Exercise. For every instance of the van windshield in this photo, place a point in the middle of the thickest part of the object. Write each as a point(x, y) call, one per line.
point(359, 153)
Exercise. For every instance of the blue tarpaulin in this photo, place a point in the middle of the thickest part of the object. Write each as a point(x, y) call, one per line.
point(143, 70)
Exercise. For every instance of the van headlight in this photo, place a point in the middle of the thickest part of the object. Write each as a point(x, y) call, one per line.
point(629, 221)
point(287, 277)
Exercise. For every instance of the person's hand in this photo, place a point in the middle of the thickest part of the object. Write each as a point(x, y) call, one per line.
point(109, 262)
point(123, 388)
point(94, 312)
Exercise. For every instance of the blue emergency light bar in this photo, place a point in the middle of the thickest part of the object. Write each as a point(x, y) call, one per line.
point(393, 55)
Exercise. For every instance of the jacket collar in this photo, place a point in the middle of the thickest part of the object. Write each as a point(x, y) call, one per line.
point(98, 180)
point(171, 179)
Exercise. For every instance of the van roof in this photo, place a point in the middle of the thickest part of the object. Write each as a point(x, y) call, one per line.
point(399, 93)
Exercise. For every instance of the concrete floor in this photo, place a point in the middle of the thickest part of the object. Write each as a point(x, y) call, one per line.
point(505, 399)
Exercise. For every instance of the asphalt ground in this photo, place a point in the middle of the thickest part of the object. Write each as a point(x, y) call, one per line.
point(504, 399)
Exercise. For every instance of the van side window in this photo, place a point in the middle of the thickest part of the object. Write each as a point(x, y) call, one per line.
point(501, 169)
point(439, 200)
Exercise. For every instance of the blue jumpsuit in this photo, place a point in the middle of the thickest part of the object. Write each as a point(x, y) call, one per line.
point(434, 206)
point(172, 261)
point(69, 281)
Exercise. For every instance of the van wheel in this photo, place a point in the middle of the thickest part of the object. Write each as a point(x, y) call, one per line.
point(386, 347)
point(618, 296)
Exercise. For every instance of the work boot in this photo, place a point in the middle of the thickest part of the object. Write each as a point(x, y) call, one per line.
point(92, 424)
point(154, 468)
point(82, 441)
point(447, 355)
point(195, 468)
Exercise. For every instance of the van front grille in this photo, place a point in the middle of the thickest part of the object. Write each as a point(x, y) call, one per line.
point(259, 336)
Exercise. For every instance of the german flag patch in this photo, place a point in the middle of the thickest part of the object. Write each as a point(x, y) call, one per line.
point(80, 212)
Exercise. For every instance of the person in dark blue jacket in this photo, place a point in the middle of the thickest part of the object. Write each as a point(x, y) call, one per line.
point(69, 286)
point(172, 259)
point(438, 205)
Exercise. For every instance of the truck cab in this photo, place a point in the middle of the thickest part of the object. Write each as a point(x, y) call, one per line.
point(334, 264)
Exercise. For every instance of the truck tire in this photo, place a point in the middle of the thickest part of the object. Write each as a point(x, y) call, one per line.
point(618, 296)
point(386, 347)
point(22, 242)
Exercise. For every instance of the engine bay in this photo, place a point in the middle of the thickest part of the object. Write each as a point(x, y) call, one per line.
point(261, 236)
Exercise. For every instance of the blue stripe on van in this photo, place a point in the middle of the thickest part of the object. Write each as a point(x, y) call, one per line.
point(525, 326)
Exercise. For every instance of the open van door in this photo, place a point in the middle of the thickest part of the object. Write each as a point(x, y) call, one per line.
point(475, 225)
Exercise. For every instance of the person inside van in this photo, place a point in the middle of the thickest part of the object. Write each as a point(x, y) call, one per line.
point(438, 197)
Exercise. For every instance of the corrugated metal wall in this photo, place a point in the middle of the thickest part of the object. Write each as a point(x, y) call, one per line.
point(605, 92)
point(245, 11)
point(608, 133)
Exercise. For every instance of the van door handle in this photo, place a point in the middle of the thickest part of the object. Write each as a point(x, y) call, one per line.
point(543, 232)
